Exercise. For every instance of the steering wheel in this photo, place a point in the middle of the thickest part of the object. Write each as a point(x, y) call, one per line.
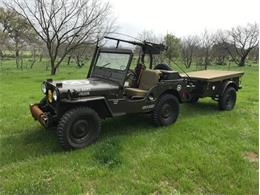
point(131, 75)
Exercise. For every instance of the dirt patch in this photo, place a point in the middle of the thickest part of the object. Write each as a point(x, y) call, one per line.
point(251, 156)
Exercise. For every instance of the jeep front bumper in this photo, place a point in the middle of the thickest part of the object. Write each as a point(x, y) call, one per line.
point(39, 115)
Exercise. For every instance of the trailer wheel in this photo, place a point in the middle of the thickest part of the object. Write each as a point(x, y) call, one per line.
point(78, 128)
point(166, 110)
point(228, 100)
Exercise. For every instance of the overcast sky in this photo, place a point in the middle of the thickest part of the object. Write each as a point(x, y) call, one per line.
point(183, 17)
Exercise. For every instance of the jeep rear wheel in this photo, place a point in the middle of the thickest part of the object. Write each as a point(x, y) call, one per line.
point(228, 100)
point(166, 110)
point(78, 128)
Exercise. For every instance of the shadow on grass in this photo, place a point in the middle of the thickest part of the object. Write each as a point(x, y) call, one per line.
point(133, 123)
point(39, 142)
point(202, 108)
point(33, 143)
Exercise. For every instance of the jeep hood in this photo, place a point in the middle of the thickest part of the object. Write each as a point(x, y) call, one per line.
point(92, 84)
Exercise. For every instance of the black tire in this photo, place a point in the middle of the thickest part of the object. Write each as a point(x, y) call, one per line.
point(228, 100)
point(166, 110)
point(78, 128)
point(162, 67)
point(194, 100)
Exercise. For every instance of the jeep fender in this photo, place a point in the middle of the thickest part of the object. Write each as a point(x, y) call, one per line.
point(98, 103)
point(159, 91)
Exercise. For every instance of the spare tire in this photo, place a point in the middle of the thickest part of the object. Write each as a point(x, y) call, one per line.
point(162, 67)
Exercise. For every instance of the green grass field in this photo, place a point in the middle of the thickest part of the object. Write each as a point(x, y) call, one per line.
point(205, 152)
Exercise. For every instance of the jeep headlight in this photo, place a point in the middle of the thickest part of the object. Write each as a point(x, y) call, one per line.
point(50, 96)
point(44, 88)
point(55, 95)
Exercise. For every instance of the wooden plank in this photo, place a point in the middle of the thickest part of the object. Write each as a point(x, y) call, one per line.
point(213, 75)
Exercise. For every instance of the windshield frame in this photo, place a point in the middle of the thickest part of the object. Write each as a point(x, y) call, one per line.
point(120, 81)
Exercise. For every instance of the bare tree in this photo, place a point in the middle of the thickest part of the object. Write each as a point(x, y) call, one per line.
point(67, 24)
point(188, 47)
point(81, 54)
point(150, 36)
point(207, 41)
point(243, 41)
point(35, 45)
point(219, 51)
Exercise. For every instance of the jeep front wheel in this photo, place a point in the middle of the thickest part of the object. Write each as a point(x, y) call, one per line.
point(78, 128)
point(166, 110)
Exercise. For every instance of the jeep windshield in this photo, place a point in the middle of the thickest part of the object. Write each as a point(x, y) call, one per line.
point(115, 61)
point(112, 64)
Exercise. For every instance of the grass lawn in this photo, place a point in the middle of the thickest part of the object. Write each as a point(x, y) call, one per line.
point(205, 152)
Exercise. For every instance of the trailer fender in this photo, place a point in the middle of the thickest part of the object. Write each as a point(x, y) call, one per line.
point(228, 84)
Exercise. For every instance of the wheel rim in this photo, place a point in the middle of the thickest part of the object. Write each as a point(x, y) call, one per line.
point(80, 131)
point(167, 111)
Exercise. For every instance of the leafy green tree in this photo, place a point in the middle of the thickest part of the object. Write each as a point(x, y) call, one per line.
point(4, 43)
point(173, 47)
point(17, 29)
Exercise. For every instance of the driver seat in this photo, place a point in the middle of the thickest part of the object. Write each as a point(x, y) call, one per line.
point(148, 79)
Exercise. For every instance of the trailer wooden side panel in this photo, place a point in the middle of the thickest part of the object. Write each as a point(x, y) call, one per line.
point(213, 75)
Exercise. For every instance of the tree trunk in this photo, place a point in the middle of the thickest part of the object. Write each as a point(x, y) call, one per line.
point(53, 67)
point(78, 62)
point(17, 58)
point(242, 60)
point(206, 63)
point(69, 58)
point(21, 63)
point(53, 70)
point(1, 59)
point(33, 55)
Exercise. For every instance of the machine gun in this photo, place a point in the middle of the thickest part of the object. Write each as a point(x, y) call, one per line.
point(148, 48)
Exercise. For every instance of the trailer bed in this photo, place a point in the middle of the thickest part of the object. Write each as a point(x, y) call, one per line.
point(213, 75)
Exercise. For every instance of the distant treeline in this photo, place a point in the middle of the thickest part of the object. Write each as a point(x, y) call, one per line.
point(64, 34)
point(237, 45)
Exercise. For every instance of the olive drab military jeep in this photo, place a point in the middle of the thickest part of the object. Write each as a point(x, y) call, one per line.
point(76, 107)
